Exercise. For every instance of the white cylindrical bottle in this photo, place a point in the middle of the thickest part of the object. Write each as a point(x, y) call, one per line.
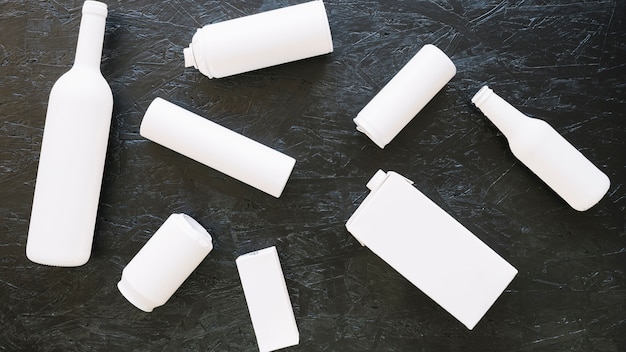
point(164, 262)
point(405, 95)
point(545, 152)
point(261, 40)
point(216, 146)
point(73, 152)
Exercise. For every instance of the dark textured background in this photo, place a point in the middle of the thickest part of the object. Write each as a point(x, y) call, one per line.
point(562, 61)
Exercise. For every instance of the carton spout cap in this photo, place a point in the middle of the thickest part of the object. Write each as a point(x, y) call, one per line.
point(376, 180)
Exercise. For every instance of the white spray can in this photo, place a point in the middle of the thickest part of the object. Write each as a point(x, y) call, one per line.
point(261, 40)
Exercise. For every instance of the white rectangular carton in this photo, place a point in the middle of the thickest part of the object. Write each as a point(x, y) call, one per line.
point(268, 300)
point(430, 248)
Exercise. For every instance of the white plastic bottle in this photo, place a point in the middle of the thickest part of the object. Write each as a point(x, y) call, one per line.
point(405, 95)
point(73, 152)
point(216, 146)
point(165, 262)
point(261, 40)
point(545, 152)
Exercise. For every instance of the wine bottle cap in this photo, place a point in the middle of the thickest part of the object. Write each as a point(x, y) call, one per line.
point(95, 7)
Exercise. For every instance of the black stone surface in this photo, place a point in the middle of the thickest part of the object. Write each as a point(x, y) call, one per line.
point(562, 61)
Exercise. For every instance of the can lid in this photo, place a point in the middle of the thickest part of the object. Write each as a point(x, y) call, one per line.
point(133, 296)
point(194, 230)
point(362, 125)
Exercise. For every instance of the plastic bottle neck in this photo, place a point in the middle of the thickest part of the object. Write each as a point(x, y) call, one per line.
point(506, 117)
point(91, 35)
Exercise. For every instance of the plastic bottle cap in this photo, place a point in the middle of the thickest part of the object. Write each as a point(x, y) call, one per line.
point(190, 60)
point(376, 180)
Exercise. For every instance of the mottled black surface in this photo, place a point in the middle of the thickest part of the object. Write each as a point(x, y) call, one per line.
point(561, 60)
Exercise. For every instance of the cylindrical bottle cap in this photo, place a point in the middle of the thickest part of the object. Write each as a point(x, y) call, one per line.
point(164, 262)
point(95, 7)
point(261, 40)
point(218, 147)
point(405, 95)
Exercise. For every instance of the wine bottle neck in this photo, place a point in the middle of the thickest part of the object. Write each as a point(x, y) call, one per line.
point(506, 117)
point(91, 35)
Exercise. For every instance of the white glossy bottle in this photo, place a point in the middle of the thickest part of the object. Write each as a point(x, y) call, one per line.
point(73, 152)
point(261, 40)
point(545, 152)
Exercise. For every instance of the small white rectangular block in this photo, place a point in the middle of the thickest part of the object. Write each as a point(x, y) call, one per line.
point(268, 299)
point(430, 248)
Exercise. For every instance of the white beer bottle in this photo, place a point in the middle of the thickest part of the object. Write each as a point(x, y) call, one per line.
point(545, 152)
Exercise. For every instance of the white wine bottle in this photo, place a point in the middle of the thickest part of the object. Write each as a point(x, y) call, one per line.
point(545, 152)
point(73, 152)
